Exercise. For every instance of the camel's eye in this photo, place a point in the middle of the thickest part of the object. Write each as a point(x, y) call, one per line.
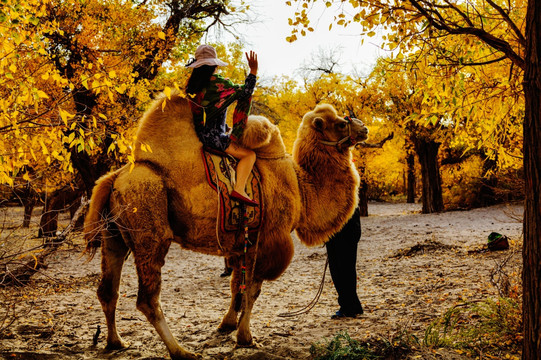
point(342, 125)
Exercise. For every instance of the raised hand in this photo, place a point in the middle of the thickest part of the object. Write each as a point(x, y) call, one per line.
point(252, 62)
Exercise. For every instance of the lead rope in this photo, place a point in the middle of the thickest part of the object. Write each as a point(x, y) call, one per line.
point(242, 286)
point(218, 192)
point(314, 301)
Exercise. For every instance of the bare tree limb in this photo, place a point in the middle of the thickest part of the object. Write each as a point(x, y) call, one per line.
point(376, 145)
point(22, 273)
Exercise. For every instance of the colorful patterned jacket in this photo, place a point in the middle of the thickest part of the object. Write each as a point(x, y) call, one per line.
point(209, 109)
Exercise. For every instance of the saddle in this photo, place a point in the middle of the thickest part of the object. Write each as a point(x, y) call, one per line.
point(220, 170)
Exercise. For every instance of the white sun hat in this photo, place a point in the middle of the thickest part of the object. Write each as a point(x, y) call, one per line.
point(205, 55)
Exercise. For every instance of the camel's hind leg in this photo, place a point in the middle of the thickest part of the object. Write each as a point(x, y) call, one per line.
point(149, 263)
point(142, 210)
point(114, 252)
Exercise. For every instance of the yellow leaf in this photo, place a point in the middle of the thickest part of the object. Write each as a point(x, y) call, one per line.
point(167, 92)
point(26, 177)
point(45, 76)
point(121, 89)
point(161, 35)
point(65, 115)
point(134, 209)
point(291, 38)
point(42, 94)
point(13, 68)
point(112, 74)
point(44, 149)
point(8, 180)
point(36, 260)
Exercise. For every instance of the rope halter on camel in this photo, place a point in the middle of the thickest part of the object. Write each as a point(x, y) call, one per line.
point(338, 144)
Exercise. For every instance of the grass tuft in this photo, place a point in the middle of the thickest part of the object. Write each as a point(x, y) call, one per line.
point(343, 347)
point(491, 326)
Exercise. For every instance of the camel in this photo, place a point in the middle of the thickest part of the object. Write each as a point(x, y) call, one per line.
point(164, 197)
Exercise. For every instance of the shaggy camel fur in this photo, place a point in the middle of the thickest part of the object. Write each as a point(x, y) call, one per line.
point(165, 198)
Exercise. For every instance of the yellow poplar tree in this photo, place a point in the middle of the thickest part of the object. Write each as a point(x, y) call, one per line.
point(77, 75)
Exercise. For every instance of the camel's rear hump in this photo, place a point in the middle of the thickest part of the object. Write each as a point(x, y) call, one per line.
point(94, 219)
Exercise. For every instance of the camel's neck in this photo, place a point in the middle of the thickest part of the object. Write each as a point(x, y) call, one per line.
point(329, 184)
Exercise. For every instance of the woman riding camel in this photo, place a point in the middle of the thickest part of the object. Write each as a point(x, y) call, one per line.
point(210, 94)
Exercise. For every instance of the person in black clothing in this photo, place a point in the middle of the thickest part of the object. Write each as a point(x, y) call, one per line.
point(342, 255)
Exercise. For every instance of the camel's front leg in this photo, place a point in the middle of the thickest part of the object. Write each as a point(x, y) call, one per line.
point(229, 322)
point(244, 335)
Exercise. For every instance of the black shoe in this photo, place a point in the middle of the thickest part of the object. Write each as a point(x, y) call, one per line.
point(341, 315)
point(346, 314)
point(226, 272)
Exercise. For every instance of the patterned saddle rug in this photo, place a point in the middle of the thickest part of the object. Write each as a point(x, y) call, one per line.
point(220, 169)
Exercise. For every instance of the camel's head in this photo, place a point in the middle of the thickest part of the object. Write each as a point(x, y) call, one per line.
point(263, 137)
point(333, 130)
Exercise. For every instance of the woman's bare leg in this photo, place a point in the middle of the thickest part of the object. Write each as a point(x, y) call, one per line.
point(246, 163)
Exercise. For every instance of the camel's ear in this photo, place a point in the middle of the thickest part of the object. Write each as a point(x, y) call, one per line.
point(318, 123)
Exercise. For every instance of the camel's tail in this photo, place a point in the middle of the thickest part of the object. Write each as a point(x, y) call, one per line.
point(94, 220)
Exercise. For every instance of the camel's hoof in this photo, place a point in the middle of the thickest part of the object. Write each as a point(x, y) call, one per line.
point(117, 345)
point(251, 344)
point(186, 355)
point(226, 329)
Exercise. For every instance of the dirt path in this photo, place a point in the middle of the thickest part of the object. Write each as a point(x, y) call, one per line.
point(411, 268)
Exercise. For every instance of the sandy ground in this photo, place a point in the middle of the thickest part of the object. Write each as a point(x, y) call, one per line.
point(400, 288)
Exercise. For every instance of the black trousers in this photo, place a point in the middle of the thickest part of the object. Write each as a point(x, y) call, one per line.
point(342, 254)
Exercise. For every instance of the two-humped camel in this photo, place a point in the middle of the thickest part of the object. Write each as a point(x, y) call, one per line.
point(165, 198)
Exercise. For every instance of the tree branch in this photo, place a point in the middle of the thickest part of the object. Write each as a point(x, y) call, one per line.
point(375, 145)
point(489, 39)
point(509, 22)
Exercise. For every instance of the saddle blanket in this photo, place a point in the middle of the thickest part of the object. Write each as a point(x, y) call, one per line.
point(220, 169)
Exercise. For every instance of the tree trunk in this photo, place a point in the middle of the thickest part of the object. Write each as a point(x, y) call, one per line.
point(29, 198)
point(28, 208)
point(427, 151)
point(410, 182)
point(531, 253)
point(489, 182)
point(60, 200)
